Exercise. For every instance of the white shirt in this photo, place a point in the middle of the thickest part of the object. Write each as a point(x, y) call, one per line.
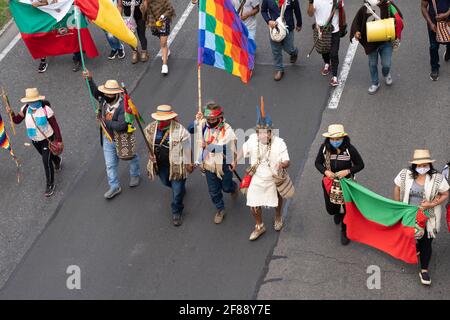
point(249, 5)
point(322, 13)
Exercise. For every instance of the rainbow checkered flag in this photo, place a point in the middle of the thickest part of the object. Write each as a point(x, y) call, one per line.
point(4, 139)
point(223, 39)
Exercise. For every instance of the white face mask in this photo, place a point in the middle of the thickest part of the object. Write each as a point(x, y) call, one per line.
point(373, 3)
point(422, 170)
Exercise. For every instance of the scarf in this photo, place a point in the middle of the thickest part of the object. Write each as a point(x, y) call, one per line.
point(279, 3)
point(220, 127)
point(163, 125)
point(41, 120)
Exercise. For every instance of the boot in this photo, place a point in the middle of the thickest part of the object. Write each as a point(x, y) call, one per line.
point(134, 56)
point(144, 56)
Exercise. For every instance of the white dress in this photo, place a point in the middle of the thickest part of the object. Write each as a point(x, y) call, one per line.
point(262, 191)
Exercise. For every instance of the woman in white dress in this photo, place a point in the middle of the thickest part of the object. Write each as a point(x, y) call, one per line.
point(268, 154)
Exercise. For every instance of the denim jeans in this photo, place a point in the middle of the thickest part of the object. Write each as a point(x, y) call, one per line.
point(277, 50)
point(178, 189)
point(385, 52)
point(112, 164)
point(434, 50)
point(114, 43)
point(216, 186)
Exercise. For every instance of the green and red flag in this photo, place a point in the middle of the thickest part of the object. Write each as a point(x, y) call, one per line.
point(380, 222)
point(398, 20)
point(51, 30)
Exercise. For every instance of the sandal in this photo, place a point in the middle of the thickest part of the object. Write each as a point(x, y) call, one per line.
point(278, 225)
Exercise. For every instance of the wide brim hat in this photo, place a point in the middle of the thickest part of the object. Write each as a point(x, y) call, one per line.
point(110, 87)
point(422, 156)
point(32, 95)
point(335, 131)
point(164, 112)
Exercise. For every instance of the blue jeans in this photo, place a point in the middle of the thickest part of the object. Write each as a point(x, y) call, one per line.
point(385, 52)
point(216, 186)
point(114, 43)
point(178, 189)
point(434, 50)
point(112, 164)
point(277, 50)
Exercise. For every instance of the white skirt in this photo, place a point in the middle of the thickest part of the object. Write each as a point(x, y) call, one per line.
point(262, 193)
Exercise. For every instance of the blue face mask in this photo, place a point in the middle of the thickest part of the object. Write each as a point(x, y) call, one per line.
point(35, 105)
point(336, 144)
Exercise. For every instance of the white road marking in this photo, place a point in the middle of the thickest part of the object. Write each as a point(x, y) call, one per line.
point(178, 26)
point(333, 103)
point(9, 47)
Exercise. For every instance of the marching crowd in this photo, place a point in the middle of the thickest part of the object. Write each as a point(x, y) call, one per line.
point(173, 154)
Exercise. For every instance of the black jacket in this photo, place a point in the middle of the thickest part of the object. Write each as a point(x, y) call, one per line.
point(355, 163)
point(270, 11)
point(118, 122)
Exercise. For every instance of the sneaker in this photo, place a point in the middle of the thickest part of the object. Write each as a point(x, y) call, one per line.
point(111, 193)
point(337, 218)
point(76, 66)
point(326, 69)
point(373, 88)
point(434, 75)
point(218, 218)
point(113, 54)
point(58, 165)
point(334, 82)
point(388, 79)
point(425, 278)
point(294, 58)
point(42, 66)
point(49, 190)
point(446, 55)
point(134, 181)
point(278, 225)
point(259, 230)
point(344, 240)
point(121, 53)
point(165, 69)
point(177, 220)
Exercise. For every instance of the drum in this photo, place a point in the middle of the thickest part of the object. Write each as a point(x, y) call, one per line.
point(381, 30)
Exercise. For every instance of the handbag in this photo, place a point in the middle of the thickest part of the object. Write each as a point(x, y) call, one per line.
point(130, 22)
point(322, 34)
point(336, 195)
point(245, 183)
point(442, 28)
point(56, 147)
point(284, 184)
point(281, 30)
point(125, 145)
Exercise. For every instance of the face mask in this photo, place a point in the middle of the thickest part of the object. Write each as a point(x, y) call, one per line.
point(336, 144)
point(213, 124)
point(35, 105)
point(422, 170)
point(110, 99)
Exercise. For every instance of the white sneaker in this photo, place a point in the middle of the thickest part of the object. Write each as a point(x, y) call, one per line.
point(373, 88)
point(388, 79)
point(165, 69)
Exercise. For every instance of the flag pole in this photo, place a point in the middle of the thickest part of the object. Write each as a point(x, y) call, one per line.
point(6, 103)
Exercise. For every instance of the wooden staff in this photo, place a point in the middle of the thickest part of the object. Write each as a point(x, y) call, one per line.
point(199, 155)
point(7, 104)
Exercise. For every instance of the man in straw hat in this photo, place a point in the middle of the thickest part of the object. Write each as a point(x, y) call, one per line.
point(422, 186)
point(219, 152)
point(170, 157)
point(42, 127)
point(110, 96)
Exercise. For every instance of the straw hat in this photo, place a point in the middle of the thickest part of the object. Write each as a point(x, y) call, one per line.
point(335, 131)
point(110, 87)
point(164, 112)
point(32, 95)
point(421, 156)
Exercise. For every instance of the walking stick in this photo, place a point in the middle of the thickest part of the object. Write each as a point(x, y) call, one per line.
point(7, 104)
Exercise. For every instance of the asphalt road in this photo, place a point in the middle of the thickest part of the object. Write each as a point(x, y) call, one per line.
point(127, 248)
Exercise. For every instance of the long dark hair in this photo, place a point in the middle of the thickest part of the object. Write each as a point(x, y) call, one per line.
point(345, 144)
point(414, 173)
